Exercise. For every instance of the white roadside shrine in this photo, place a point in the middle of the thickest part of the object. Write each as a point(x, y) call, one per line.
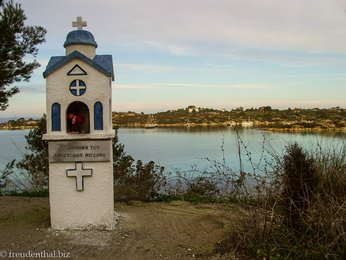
point(79, 134)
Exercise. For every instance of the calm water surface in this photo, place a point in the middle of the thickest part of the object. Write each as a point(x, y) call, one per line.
point(12, 145)
point(181, 148)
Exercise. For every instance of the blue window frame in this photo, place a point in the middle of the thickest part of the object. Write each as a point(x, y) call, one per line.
point(56, 117)
point(98, 116)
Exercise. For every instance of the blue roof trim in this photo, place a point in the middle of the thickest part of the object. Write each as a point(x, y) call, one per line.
point(53, 62)
point(106, 62)
point(102, 63)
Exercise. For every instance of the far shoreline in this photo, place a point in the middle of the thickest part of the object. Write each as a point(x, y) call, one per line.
point(204, 126)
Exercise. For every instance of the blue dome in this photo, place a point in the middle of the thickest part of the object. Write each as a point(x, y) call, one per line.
point(80, 37)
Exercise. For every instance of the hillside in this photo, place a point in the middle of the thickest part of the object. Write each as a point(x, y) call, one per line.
point(316, 119)
point(263, 117)
point(21, 123)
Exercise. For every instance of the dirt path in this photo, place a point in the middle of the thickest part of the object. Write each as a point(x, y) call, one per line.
point(144, 231)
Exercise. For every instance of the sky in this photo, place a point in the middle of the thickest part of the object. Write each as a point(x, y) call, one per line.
point(223, 54)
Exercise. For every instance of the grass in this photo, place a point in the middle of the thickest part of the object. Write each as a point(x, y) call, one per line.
point(195, 198)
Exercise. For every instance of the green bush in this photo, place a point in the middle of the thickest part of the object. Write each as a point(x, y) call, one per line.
point(35, 160)
point(202, 186)
point(135, 182)
point(331, 166)
point(304, 216)
point(142, 182)
point(300, 183)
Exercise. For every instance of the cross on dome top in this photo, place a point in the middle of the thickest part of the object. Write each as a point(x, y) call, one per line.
point(79, 23)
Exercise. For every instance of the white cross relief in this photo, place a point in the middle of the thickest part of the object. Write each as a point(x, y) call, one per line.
point(78, 87)
point(79, 23)
point(79, 173)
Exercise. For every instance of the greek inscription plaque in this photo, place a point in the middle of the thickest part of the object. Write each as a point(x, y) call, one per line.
point(79, 151)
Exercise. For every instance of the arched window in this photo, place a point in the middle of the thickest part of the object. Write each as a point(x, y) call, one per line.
point(77, 118)
point(56, 117)
point(98, 116)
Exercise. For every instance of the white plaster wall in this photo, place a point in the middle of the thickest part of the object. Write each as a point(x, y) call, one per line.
point(94, 206)
point(98, 89)
point(87, 50)
point(91, 208)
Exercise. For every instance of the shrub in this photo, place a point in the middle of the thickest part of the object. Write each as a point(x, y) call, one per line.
point(306, 218)
point(300, 183)
point(5, 175)
point(35, 160)
point(135, 182)
point(331, 166)
point(202, 186)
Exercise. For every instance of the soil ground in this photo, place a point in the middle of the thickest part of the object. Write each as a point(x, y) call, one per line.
point(175, 230)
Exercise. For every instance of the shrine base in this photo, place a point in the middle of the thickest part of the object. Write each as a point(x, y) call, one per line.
point(81, 202)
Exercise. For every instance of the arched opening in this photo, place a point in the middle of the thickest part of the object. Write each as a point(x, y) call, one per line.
point(77, 118)
point(98, 116)
point(56, 117)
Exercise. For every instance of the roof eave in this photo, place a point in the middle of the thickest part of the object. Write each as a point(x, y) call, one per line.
point(76, 55)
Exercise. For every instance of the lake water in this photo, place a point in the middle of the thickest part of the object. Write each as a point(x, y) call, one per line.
point(181, 148)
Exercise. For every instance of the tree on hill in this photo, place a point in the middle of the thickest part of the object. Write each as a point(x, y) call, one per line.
point(16, 42)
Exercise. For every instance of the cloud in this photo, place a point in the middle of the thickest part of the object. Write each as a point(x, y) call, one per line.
point(178, 50)
point(147, 68)
point(27, 88)
point(192, 85)
point(183, 26)
point(285, 103)
point(150, 107)
point(131, 86)
point(160, 68)
point(130, 106)
point(290, 58)
point(189, 44)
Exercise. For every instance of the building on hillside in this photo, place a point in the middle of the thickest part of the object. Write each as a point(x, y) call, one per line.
point(247, 123)
point(192, 109)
